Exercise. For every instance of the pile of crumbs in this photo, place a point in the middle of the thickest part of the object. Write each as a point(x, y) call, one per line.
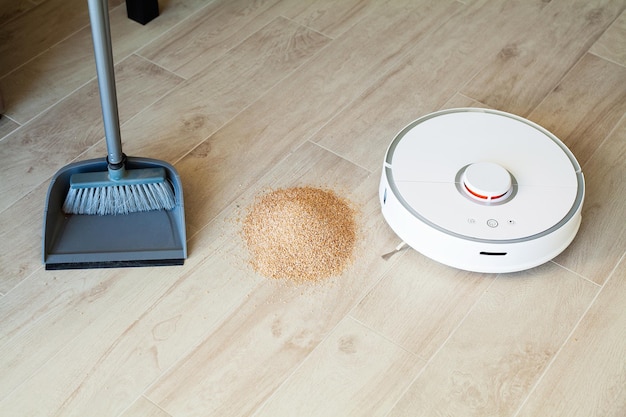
point(302, 234)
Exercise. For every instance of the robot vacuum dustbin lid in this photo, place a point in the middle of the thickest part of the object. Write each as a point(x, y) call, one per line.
point(482, 190)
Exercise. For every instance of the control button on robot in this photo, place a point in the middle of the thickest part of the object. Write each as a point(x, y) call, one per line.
point(492, 223)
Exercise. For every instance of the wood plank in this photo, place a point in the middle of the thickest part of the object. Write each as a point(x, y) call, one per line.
point(144, 408)
point(208, 34)
point(611, 44)
point(419, 303)
point(434, 69)
point(279, 323)
point(524, 71)
point(353, 370)
point(221, 25)
point(299, 105)
point(588, 377)
point(601, 239)
point(586, 105)
point(144, 320)
point(21, 237)
point(68, 65)
point(39, 28)
point(7, 126)
point(330, 17)
point(489, 365)
point(32, 154)
point(55, 345)
point(180, 121)
point(10, 9)
point(459, 101)
point(50, 76)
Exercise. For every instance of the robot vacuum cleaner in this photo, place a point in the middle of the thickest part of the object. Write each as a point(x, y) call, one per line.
point(482, 190)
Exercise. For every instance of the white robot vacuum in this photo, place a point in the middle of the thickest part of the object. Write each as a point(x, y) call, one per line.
point(482, 190)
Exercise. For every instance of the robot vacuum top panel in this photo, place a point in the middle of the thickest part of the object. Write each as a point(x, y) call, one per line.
point(454, 166)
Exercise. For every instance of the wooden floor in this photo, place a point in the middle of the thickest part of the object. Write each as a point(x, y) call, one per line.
point(246, 95)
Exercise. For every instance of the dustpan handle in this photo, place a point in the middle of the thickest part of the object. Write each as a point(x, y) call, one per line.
point(101, 33)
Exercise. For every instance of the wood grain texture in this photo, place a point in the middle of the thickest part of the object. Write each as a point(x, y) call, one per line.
point(601, 240)
point(309, 100)
point(144, 408)
point(330, 17)
point(68, 65)
point(419, 303)
point(434, 69)
point(459, 100)
point(41, 27)
point(352, 370)
point(278, 324)
point(10, 9)
point(585, 106)
point(611, 44)
point(563, 29)
point(491, 362)
point(102, 310)
point(20, 238)
point(248, 96)
point(594, 357)
point(7, 126)
point(185, 118)
point(208, 34)
point(159, 324)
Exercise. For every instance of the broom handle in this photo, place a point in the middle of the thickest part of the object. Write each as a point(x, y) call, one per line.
point(101, 33)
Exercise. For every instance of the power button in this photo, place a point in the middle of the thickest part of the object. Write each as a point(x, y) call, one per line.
point(492, 223)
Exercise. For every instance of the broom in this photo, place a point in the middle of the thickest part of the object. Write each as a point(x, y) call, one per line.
point(117, 190)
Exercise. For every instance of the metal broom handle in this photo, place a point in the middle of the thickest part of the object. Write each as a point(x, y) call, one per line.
point(101, 33)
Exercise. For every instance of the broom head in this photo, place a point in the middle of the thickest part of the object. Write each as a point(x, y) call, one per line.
point(119, 191)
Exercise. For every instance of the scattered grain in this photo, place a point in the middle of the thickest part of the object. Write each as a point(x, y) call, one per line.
point(300, 233)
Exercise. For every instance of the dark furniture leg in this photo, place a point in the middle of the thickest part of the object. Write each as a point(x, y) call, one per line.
point(142, 11)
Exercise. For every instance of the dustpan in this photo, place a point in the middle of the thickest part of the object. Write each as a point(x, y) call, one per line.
point(141, 238)
point(152, 238)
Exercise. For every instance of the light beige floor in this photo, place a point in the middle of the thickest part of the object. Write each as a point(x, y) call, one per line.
point(244, 95)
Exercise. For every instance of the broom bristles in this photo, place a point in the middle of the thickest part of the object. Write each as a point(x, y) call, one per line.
point(120, 199)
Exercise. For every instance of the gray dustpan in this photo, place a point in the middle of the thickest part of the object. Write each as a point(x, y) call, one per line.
point(153, 238)
point(119, 237)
